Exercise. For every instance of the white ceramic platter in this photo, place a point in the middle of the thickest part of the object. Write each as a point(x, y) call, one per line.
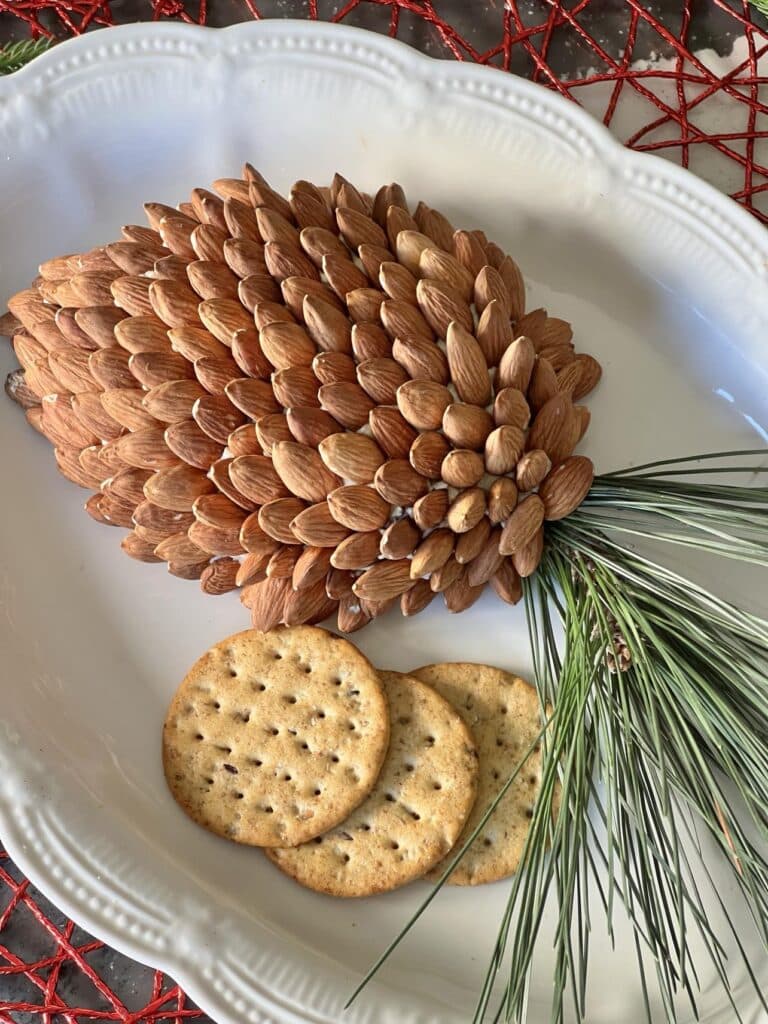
point(665, 281)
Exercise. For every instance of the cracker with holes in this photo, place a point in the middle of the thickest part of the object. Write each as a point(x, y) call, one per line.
point(502, 711)
point(273, 738)
point(415, 812)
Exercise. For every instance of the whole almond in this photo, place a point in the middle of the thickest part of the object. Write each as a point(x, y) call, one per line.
point(273, 313)
point(503, 448)
point(252, 291)
point(522, 525)
point(432, 553)
point(157, 523)
point(109, 368)
point(442, 305)
point(466, 510)
point(409, 244)
point(214, 414)
point(70, 367)
point(469, 370)
point(243, 256)
point(296, 289)
point(59, 423)
point(357, 551)
point(135, 547)
point(364, 304)
point(423, 402)
point(352, 457)
point(526, 560)
point(357, 229)
point(128, 484)
point(261, 437)
point(283, 561)
point(287, 345)
point(90, 410)
point(295, 387)
point(552, 427)
point(251, 570)
point(462, 468)
point(217, 510)
point(384, 580)
point(487, 563)
point(326, 325)
point(512, 277)
point(422, 359)
point(332, 367)
point(209, 242)
point(405, 321)
point(256, 478)
point(469, 251)
point(370, 341)
point(147, 449)
point(427, 454)
point(142, 334)
point(132, 295)
point(180, 549)
point(435, 225)
point(531, 469)
point(220, 474)
point(494, 332)
point(358, 507)
point(174, 302)
point(191, 342)
point(220, 576)
point(311, 567)
point(311, 211)
point(511, 408)
point(246, 441)
point(471, 543)
point(516, 365)
point(489, 285)
point(393, 434)
point(461, 595)
point(284, 261)
point(342, 274)
point(438, 265)
point(568, 378)
point(506, 583)
point(373, 258)
point(399, 539)
point(566, 487)
point(267, 603)
point(309, 425)
point(318, 242)
point(152, 368)
point(115, 511)
point(552, 331)
point(255, 541)
point(417, 598)
point(240, 222)
point(275, 518)
point(443, 577)
point(380, 379)
point(223, 318)
point(274, 227)
point(543, 385)
point(398, 483)
point(338, 582)
point(430, 510)
point(214, 374)
point(397, 219)
point(398, 282)
point(302, 470)
point(352, 616)
point(466, 426)
point(212, 280)
point(346, 402)
point(177, 488)
point(317, 527)
point(590, 374)
point(98, 322)
point(176, 230)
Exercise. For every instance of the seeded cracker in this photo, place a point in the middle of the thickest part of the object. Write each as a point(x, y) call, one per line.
point(274, 738)
point(502, 712)
point(415, 812)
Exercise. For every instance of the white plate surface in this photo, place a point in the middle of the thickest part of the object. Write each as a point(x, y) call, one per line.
point(665, 281)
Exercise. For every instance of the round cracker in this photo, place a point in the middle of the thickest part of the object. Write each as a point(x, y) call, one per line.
point(415, 812)
point(273, 738)
point(503, 714)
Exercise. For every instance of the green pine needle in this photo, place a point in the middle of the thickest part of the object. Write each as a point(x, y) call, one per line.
point(761, 5)
point(16, 55)
point(658, 734)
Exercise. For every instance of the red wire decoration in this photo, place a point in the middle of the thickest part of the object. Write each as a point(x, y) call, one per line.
point(680, 96)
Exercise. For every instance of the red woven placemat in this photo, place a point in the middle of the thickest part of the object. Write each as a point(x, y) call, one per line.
point(687, 106)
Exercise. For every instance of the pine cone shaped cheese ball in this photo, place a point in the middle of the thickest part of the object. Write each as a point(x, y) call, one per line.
point(330, 401)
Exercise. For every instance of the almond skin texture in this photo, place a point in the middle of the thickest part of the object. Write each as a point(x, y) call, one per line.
point(359, 508)
point(522, 525)
point(351, 456)
point(566, 487)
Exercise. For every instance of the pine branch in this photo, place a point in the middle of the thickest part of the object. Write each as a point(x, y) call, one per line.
point(760, 5)
point(16, 55)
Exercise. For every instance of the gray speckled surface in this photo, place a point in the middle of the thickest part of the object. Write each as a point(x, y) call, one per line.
point(479, 22)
